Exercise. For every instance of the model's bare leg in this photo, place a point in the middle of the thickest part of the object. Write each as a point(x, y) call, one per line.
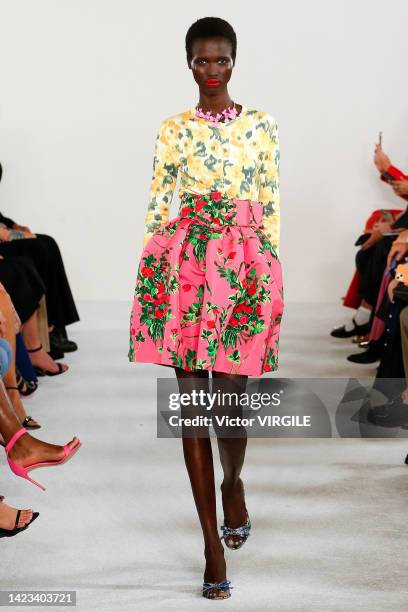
point(27, 450)
point(232, 451)
point(41, 358)
point(199, 461)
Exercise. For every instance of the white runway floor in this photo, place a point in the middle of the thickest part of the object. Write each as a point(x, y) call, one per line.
point(118, 523)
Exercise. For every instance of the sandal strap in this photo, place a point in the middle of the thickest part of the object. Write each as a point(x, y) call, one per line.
point(224, 585)
point(35, 350)
point(16, 388)
point(14, 439)
point(17, 519)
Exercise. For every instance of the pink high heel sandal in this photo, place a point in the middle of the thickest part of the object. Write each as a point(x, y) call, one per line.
point(23, 471)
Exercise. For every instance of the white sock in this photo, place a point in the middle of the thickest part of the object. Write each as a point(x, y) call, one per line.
point(361, 317)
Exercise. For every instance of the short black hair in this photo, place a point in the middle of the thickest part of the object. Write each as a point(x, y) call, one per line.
point(207, 27)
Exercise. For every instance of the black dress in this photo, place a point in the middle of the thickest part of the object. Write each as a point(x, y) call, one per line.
point(23, 283)
point(44, 253)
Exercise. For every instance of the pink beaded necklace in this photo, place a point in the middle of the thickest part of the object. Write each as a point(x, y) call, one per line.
point(228, 113)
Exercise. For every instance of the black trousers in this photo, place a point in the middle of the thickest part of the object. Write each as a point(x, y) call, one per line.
point(23, 283)
point(44, 253)
point(371, 264)
point(390, 378)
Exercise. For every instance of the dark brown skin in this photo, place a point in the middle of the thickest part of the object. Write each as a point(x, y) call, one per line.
point(212, 60)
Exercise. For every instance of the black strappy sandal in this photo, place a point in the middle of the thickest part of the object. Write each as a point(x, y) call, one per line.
point(8, 533)
point(43, 371)
point(26, 422)
point(25, 387)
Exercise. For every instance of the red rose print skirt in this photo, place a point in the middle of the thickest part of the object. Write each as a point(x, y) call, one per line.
point(208, 292)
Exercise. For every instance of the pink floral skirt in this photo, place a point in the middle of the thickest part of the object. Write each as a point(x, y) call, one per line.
point(208, 292)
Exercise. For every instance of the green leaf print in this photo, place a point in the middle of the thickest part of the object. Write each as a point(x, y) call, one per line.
point(206, 334)
point(210, 163)
point(199, 249)
point(200, 291)
point(235, 357)
point(191, 358)
point(229, 274)
point(209, 290)
point(245, 187)
point(156, 330)
point(212, 348)
point(176, 359)
point(201, 150)
point(229, 337)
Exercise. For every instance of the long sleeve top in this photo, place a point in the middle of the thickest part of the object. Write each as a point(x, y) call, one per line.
point(240, 157)
point(395, 174)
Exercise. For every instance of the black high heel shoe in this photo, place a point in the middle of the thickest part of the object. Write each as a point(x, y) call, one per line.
point(25, 387)
point(8, 533)
point(43, 371)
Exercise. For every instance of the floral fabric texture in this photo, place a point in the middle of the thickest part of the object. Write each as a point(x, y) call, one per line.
point(240, 158)
point(208, 292)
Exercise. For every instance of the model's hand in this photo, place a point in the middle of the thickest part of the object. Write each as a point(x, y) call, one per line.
point(398, 250)
point(391, 286)
point(29, 235)
point(2, 325)
point(381, 160)
point(4, 234)
point(375, 236)
point(400, 187)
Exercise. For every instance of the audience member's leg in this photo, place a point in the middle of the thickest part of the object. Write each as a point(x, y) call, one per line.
point(39, 359)
point(27, 450)
point(46, 256)
point(10, 378)
point(371, 264)
point(404, 345)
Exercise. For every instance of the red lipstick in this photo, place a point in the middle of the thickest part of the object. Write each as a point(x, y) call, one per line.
point(212, 83)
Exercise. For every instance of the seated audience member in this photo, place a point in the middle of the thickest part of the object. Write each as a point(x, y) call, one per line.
point(43, 251)
point(372, 257)
point(25, 452)
point(25, 287)
point(9, 326)
point(394, 363)
point(12, 520)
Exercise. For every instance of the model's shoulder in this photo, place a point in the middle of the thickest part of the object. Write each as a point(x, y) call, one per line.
point(178, 119)
point(261, 116)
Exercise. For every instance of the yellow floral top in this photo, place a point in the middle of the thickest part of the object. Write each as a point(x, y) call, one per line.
point(240, 157)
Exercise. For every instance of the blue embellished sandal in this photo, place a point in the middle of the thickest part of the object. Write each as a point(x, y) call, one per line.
point(243, 532)
point(217, 590)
